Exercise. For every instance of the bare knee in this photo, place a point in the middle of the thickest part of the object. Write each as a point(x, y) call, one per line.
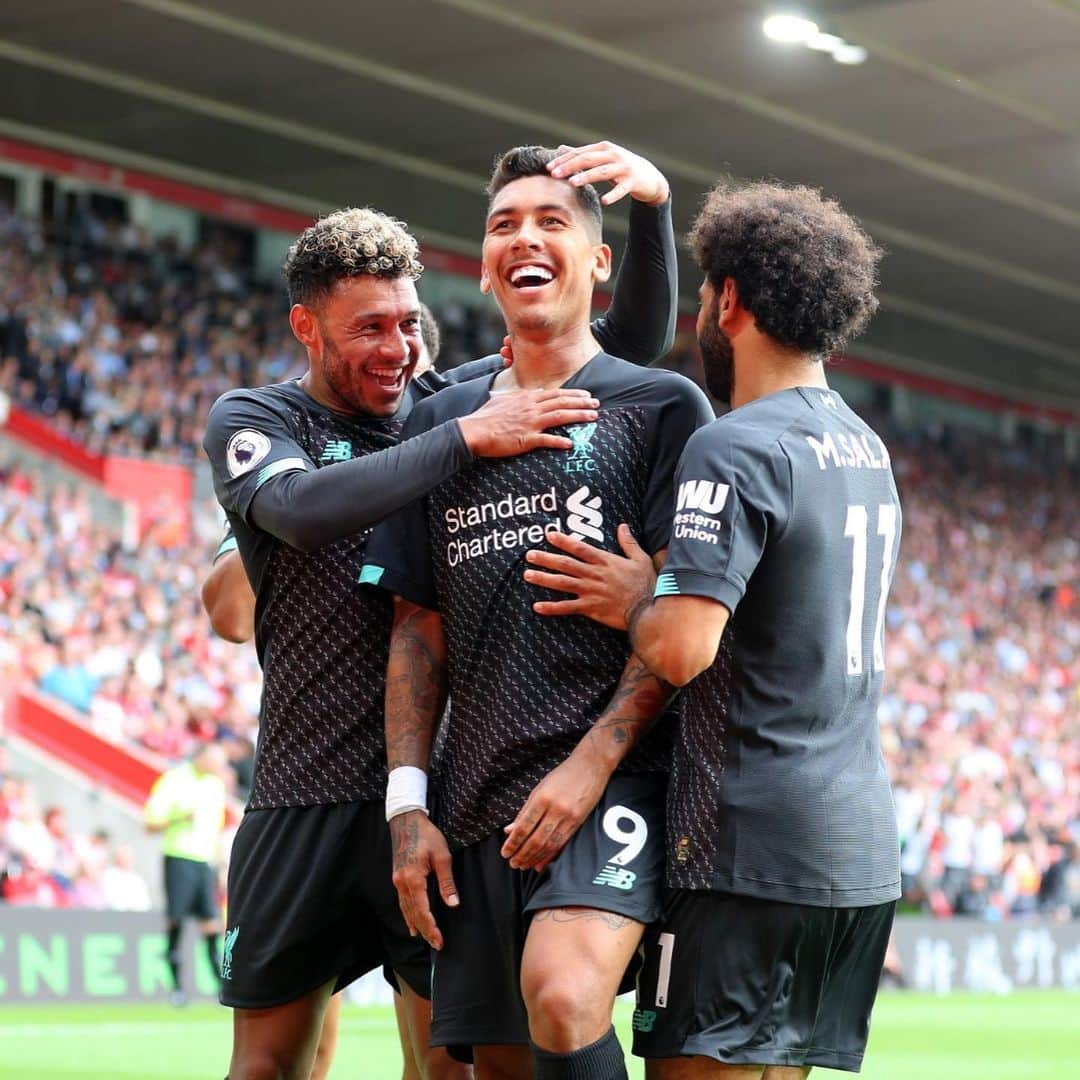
point(439, 1065)
point(259, 1065)
point(563, 1014)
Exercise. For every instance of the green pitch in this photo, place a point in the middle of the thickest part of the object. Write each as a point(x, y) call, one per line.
point(965, 1037)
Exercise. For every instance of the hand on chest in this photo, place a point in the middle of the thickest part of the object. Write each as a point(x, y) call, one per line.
point(503, 507)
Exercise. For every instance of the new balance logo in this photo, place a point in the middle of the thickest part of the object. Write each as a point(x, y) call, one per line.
point(644, 1020)
point(616, 877)
point(337, 450)
point(702, 495)
point(226, 958)
point(584, 519)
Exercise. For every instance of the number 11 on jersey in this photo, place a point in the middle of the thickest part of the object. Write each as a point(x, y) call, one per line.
point(856, 529)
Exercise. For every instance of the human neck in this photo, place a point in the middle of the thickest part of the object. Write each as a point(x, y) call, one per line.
point(762, 367)
point(321, 393)
point(543, 360)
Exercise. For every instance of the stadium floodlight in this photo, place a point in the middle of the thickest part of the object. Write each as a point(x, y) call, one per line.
point(820, 42)
point(849, 54)
point(789, 29)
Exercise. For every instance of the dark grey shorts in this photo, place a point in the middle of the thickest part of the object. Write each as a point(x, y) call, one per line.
point(189, 890)
point(615, 862)
point(311, 899)
point(760, 982)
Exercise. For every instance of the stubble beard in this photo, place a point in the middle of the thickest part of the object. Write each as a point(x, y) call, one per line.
point(717, 359)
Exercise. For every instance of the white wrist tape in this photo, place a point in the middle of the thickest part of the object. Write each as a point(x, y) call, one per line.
point(406, 790)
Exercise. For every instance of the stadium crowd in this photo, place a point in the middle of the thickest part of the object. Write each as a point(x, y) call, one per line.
point(43, 863)
point(117, 634)
point(124, 343)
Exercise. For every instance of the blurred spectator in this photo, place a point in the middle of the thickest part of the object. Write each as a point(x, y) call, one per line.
point(123, 343)
point(123, 888)
point(118, 635)
point(44, 864)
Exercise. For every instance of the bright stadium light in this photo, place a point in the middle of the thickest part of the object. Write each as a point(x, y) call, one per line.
point(849, 54)
point(789, 29)
point(820, 42)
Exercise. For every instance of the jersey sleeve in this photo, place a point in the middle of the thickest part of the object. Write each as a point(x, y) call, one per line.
point(228, 543)
point(398, 555)
point(248, 443)
point(685, 411)
point(639, 326)
point(730, 496)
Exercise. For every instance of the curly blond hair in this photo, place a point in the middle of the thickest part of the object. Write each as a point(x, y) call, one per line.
point(345, 244)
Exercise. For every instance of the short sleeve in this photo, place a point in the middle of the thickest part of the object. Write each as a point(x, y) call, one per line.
point(248, 443)
point(159, 805)
point(686, 410)
point(729, 497)
point(399, 552)
point(228, 543)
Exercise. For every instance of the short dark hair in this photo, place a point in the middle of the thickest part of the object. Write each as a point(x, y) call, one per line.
point(524, 161)
point(429, 332)
point(804, 268)
point(348, 243)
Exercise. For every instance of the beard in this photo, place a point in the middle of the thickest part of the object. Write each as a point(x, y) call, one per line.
point(717, 358)
point(340, 379)
point(347, 382)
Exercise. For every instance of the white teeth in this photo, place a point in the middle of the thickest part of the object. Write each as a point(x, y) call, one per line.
point(541, 272)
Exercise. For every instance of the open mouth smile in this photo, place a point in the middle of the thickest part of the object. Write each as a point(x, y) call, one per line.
point(530, 277)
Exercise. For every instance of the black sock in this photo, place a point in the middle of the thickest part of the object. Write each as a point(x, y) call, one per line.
point(212, 951)
point(601, 1060)
point(173, 954)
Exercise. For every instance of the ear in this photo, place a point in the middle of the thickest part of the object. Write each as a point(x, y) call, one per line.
point(485, 279)
point(728, 309)
point(305, 326)
point(602, 268)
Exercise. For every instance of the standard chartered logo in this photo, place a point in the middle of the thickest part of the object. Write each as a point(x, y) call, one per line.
point(485, 528)
point(583, 515)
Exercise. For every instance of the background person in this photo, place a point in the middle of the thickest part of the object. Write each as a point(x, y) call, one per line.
point(187, 806)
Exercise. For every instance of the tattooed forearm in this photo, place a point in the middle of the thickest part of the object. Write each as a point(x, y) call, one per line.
point(633, 616)
point(636, 703)
point(564, 915)
point(415, 684)
point(404, 837)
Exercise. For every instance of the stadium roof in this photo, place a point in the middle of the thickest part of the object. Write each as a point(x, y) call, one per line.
point(957, 142)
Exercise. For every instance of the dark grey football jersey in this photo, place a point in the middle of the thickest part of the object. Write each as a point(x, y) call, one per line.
point(321, 638)
point(524, 688)
point(786, 513)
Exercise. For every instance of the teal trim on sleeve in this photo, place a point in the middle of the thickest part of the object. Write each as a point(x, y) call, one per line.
point(666, 585)
point(275, 468)
point(227, 545)
point(371, 575)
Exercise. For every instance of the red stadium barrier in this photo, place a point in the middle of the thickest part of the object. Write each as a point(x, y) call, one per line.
point(160, 492)
point(41, 436)
point(60, 732)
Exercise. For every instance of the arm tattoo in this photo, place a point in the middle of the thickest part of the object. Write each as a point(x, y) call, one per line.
point(638, 699)
point(415, 687)
point(565, 915)
point(404, 836)
point(634, 613)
